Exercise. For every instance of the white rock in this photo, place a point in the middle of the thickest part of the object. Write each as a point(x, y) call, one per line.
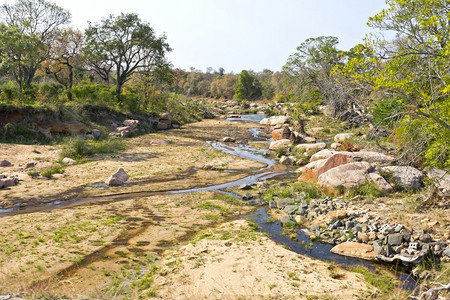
point(340, 137)
point(69, 161)
point(405, 177)
point(275, 120)
point(335, 146)
point(284, 143)
point(118, 178)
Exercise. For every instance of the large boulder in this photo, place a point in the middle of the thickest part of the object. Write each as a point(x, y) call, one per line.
point(311, 171)
point(373, 157)
point(118, 178)
point(380, 182)
point(275, 120)
point(345, 176)
point(284, 143)
point(43, 165)
point(405, 177)
point(69, 161)
point(354, 249)
point(323, 154)
point(165, 121)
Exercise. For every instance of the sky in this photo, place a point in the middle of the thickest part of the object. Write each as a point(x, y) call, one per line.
point(236, 34)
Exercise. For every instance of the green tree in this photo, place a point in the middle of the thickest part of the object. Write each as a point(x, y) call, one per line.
point(247, 87)
point(415, 70)
point(19, 51)
point(126, 44)
point(36, 19)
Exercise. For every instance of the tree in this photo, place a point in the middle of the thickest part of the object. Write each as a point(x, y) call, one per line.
point(18, 51)
point(37, 19)
point(65, 56)
point(126, 44)
point(415, 70)
point(247, 86)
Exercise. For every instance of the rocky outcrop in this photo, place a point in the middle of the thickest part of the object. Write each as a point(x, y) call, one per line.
point(405, 177)
point(118, 178)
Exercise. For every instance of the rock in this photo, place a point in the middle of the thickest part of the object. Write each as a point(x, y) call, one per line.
point(89, 137)
point(442, 178)
point(176, 126)
point(337, 214)
point(275, 145)
point(363, 236)
point(345, 176)
point(132, 123)
point(406, 177)
point(96, 133)
point(447, 252)
point(300, 219)
point(301, 211)
point(334, 161)
point(167, 116)
point(373, 157)
point(124, 131)
point(354, 249)
point(272, 204)
point(309, 172)
point(217, 110)
point(283, 133)
point(5, 163)
point(69, 161)
point(425, 238)
point(287, 160)
point(254, 202)
point(290, 209)
point(163, 125)
point(287, 221)
point(349, 225)
point(311, 147)
point(335, 146)
point(7, 183)
point(282, 203)
point(245, 187)
point(394, 239)
point(247, 196)
point(377, 249)
point(275, 120)
point(380, 182)
point(323, 154)
point(389, 250)
point(43, 165)
point(340, 137)
point(228, 139)
point(29, 165)
point(118, 178)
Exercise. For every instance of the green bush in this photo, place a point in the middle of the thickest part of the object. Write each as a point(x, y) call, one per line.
point(309, 189)
point(368, 188)
point(55, 169)
point(77, 148)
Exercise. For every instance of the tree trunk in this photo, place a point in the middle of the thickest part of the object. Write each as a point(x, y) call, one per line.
point(69, 89)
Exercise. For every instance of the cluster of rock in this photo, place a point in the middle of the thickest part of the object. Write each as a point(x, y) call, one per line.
point(127, 127)
point(4, 181)
point(360, 234)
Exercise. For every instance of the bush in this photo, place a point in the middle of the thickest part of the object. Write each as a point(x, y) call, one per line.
point(77, 148)
point(308, 189)
point(368, 188)
point(55, 169)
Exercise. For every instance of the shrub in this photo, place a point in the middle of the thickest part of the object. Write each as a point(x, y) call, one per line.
point(77, 148)
point(368, 188)
point(55, 169)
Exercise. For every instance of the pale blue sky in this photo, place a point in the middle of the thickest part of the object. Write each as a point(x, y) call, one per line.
point(237, 34)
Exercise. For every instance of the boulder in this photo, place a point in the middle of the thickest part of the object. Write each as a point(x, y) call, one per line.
point(373, 157)
point(283, 133)
point(335, 146)
point(309, 172)
point(288, 221)
point(30, 164)
point(217, 110)
point(69, 161)
point(282, 203)
point(354, 249)
point(334, 161)
point(284, 143)
point(405, 177)
point(163, 125)
point(323, 154)
point(275, 120)
point(118, 178)
point(165, 121)
point(380, 182)
point(228, 139)
point(247, 196)
point(167, 116)
point(287, 160)
point(96, 133)
point(345, 176)
point(124, 131)
point(5, 163)
point(8, 182)
point(340, 137)
point(442, 178)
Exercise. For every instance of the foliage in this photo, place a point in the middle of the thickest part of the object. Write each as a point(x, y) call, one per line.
point(308, 190)
point(382, 281)
point(55, 169)
point(368, 188)
point(77, 147)
point(247, 87)
point(126, 43)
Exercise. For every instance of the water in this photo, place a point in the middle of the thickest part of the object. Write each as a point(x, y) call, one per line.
point(252, 118)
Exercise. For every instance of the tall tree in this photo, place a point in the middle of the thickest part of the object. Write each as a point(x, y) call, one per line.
point(247, 87)
point(65, 56)
point(125, 43)
point(36, 18)
point(18, 51)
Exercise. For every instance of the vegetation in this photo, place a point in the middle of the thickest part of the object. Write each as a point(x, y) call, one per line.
point(77, 148)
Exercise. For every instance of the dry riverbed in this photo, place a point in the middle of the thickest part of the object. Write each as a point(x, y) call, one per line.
point(164, 246)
